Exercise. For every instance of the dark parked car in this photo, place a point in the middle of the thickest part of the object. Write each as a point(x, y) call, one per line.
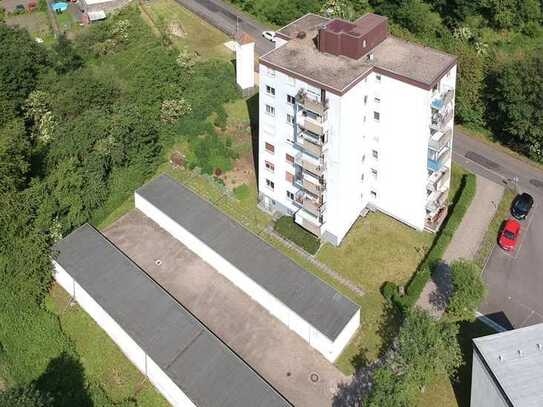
point(522, 205)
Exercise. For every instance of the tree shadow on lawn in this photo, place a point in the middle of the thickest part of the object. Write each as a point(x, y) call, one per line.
point(252, 108)
point(64, 380)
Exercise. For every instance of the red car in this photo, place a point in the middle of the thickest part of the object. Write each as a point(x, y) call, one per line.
point(509, 236)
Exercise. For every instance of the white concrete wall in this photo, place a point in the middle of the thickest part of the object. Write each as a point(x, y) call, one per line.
point(484, 392)
point(126, 344)
point(245, 65)
point(330, 350)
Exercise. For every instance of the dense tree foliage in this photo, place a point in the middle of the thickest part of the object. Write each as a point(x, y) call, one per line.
point(468, 290)
point(425, 348)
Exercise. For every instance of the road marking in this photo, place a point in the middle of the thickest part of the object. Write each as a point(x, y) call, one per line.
point(491, 323)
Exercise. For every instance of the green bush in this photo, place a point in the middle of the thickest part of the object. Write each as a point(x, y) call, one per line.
point(457, 210)
point(242, 192)
point(290, 230)
point(468, 290)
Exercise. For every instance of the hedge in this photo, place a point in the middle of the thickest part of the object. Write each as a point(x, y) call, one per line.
point(461, 203)
point(290, 230)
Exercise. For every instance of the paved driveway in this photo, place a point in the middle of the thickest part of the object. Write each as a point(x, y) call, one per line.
point(278, 354)
point(515, 280)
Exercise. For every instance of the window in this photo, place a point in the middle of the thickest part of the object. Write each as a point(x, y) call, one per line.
point(363, 158)
point(362, 177)
point(376, 116)
point(289, 177)
point(377, 100)
point(290, 195)
point(270, 91)
point(290, 119)
point(291, 99)
point(270, 148)
point(373, 194)
point(270, 110)
point(270, 166)
point(289, 158)
point(270, 184)
point(374, 173)
point(378, 78)
point(375, 154)
point(365, 99)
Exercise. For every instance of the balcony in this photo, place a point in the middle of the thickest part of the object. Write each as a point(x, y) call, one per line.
point(436, 161)
point(434, 221)
point(315, 167)
point(436, 200)
point(309, 146)
point(439, 140)
point(440, 121)
point(309, 222)
point(439, 180)
point(313, 206)
point(316, 105)
point(315, 126)
point(312, 187)
point(299, 198)
point(441, 100)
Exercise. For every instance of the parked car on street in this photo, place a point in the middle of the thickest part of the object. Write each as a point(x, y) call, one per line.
point(509, 235)
point(521, 206)
point(269, 35)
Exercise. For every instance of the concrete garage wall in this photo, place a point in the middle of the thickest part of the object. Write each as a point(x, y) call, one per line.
point(316, 339)
point(484, 392)
point(128, 346)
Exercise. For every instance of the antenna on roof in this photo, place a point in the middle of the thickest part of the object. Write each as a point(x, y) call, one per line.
point(519, 353)
point(539, 346)
point(500, 358)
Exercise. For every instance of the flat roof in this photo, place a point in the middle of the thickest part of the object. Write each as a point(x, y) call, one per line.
point(312, 299)
point(419, 65)
point(515, 359)
point(202, 366)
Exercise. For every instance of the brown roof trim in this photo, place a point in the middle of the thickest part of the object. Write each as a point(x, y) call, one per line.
point(282, 36)
point(378, 69)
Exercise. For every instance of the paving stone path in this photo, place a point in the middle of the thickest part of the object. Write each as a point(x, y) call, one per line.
point(464, 244)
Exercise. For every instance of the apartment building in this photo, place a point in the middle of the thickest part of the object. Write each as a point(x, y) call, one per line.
point(354, 118)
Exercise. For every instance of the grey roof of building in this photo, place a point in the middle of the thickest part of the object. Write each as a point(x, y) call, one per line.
point(203, 367)
point(414, 63)
point(515, 359)
point(308, 296)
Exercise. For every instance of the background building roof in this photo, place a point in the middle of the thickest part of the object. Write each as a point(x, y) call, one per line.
point(201, 365)
point(515, 359)
point(308, 296)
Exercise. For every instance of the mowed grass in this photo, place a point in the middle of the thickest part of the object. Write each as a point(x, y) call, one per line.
point(103, 361)
point(198, 36)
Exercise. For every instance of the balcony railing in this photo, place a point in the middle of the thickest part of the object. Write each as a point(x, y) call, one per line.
point(441, 100)
point(440, 121)
point(315, 126)
point(439, 140)
point(438, 179)
point(437, 163)
point(313, 188)
point(313, 206)
point(436, 201)
point(317, 106)
point(433, 221)
point(308, 222)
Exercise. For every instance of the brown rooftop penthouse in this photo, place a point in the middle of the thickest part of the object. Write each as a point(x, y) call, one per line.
point(336, 54)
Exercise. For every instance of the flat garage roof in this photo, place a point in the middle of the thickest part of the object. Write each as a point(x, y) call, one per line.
point(308, 296)
point(203, 367)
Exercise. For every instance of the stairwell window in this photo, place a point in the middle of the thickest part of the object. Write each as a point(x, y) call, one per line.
point(375, 154)
point(376, 116)
point(373, 194)
point(270, 110)
point(270, 91)
point(270, 184)
point(374, 173)
point(378, 78)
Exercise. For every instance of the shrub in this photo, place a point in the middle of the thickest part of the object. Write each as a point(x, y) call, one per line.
point(461, 202)
point(242, 192)
point(290, 230)
point(468, 290)
point(389, 289)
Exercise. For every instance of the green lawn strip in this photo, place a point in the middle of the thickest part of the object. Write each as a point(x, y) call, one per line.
point(453, 392)
point(458, 208)
point(103, 362)
point(491, 235)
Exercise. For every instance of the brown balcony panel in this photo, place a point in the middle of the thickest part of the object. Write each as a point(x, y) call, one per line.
point(313, 127)
point(310, 226)
point(312, 149)
point(312, 168)
point(312, 188)
point(314, 106)
point(312, 206)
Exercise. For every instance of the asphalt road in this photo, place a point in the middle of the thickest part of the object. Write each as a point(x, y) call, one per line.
point(515, 281)
point(229, 20)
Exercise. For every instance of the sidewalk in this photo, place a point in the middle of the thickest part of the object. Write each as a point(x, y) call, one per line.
point(464, 244)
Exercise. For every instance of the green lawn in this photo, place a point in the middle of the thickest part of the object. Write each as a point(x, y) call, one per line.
point(104, 363)
point(187, 30)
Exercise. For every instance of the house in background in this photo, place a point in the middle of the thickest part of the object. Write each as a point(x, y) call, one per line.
point(353, 118)
point(507, 369)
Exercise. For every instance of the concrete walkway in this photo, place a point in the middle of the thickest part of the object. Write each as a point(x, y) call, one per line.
point(464, 244)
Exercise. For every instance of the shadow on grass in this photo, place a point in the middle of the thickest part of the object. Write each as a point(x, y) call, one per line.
point(252, 108)
point(462, 382)
point(64, 380)
point(389, 326)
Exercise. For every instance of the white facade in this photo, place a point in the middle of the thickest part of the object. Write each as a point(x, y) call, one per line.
point(245, 64)
point(374, 150)
point(329, 349)
point(128, 346)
